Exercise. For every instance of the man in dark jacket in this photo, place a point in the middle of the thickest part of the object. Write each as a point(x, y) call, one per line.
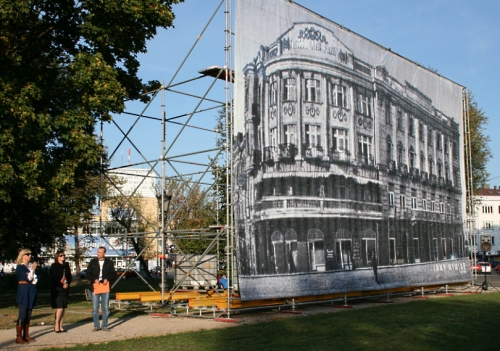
point(100, 273)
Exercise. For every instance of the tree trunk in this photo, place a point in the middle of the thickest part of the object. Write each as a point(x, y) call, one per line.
point(144, 265)
point(77, 253)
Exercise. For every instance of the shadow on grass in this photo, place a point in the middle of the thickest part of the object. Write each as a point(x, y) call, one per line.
point(451, 323)
point(79, 309)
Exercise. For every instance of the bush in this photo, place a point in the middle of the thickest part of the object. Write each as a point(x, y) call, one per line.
point(9, 282)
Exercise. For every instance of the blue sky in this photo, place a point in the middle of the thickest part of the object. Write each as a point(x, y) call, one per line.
point(460, 39)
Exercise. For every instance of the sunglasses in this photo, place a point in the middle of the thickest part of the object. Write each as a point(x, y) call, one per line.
point(62, 255)
point(27, 254)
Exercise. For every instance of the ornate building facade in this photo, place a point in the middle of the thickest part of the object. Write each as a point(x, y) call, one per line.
point(340, 165)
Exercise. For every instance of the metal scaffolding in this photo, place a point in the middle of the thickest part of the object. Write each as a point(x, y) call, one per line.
point(190, 154)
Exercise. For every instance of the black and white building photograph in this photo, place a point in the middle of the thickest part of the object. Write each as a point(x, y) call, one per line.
point(348, 161)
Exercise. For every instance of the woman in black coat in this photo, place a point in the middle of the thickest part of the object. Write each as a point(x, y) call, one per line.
point(60, 275)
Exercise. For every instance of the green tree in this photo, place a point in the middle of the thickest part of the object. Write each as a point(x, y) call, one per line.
point(65, 66)
point(190, 208)
point(479, 149)
point(222, 188)
point(129, 212)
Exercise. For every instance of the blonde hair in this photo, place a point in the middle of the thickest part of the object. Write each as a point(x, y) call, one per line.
point(21, 254)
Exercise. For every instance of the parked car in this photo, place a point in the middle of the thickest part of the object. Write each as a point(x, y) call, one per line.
point(485, 267)
point(82, 273)
point(477, 268)
point(497, 269)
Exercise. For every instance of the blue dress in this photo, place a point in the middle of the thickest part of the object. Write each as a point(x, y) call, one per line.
point(26, 293)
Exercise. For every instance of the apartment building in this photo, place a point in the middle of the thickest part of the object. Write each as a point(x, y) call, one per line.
point(485, 223)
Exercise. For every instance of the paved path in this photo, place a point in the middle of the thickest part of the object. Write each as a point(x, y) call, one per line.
point(123, 328)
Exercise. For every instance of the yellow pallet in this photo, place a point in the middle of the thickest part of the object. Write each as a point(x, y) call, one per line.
point(176, 297)
point(236, 303)
point(126, 296)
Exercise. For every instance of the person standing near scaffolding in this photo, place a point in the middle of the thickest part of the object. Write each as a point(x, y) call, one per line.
point(60, 274)
point(100, 273)
point(223, 282)
point(26, 294)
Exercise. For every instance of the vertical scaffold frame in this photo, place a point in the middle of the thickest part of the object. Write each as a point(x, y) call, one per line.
point(216, 234)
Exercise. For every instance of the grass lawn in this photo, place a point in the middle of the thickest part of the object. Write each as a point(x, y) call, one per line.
point(467, 322)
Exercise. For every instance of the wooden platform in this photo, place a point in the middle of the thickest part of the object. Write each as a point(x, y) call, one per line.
point(218, 299)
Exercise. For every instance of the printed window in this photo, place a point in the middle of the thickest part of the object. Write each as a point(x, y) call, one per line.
point(446, 147)
point(364, 105)
point(438, 141)
point(313, 135)
point(391, 199)
point(429, 137)
point(440, 169)
point(289, 133)
point(413, 202)
point(421, 132)
point(400, 153)
point(340, 140)
point(433, 206)
point(400, 120)
point(273, 93)
point(389, 148)
point(402, 189)
point(365, 146)
point(411, 156)
point(339, 96)
point(431, 166)
point(402, 201)
point(289, 91)
point(441, 207)
point(312, 90)
point(411, 129)
point(388, 115)
point(424, 204)
point(272, 137)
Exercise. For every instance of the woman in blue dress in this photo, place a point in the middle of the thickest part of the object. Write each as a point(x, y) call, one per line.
point(26, 294)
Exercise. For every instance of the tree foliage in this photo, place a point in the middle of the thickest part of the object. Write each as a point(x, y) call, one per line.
point(190, 208)
point(222, 188)
point(65, 66)
point(479, 149)
point(138, 226)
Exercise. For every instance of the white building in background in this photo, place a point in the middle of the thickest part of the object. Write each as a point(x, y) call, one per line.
point(487, 222)
point(138, 182)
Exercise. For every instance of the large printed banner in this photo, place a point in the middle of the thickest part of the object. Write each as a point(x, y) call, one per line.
point(348, 161)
